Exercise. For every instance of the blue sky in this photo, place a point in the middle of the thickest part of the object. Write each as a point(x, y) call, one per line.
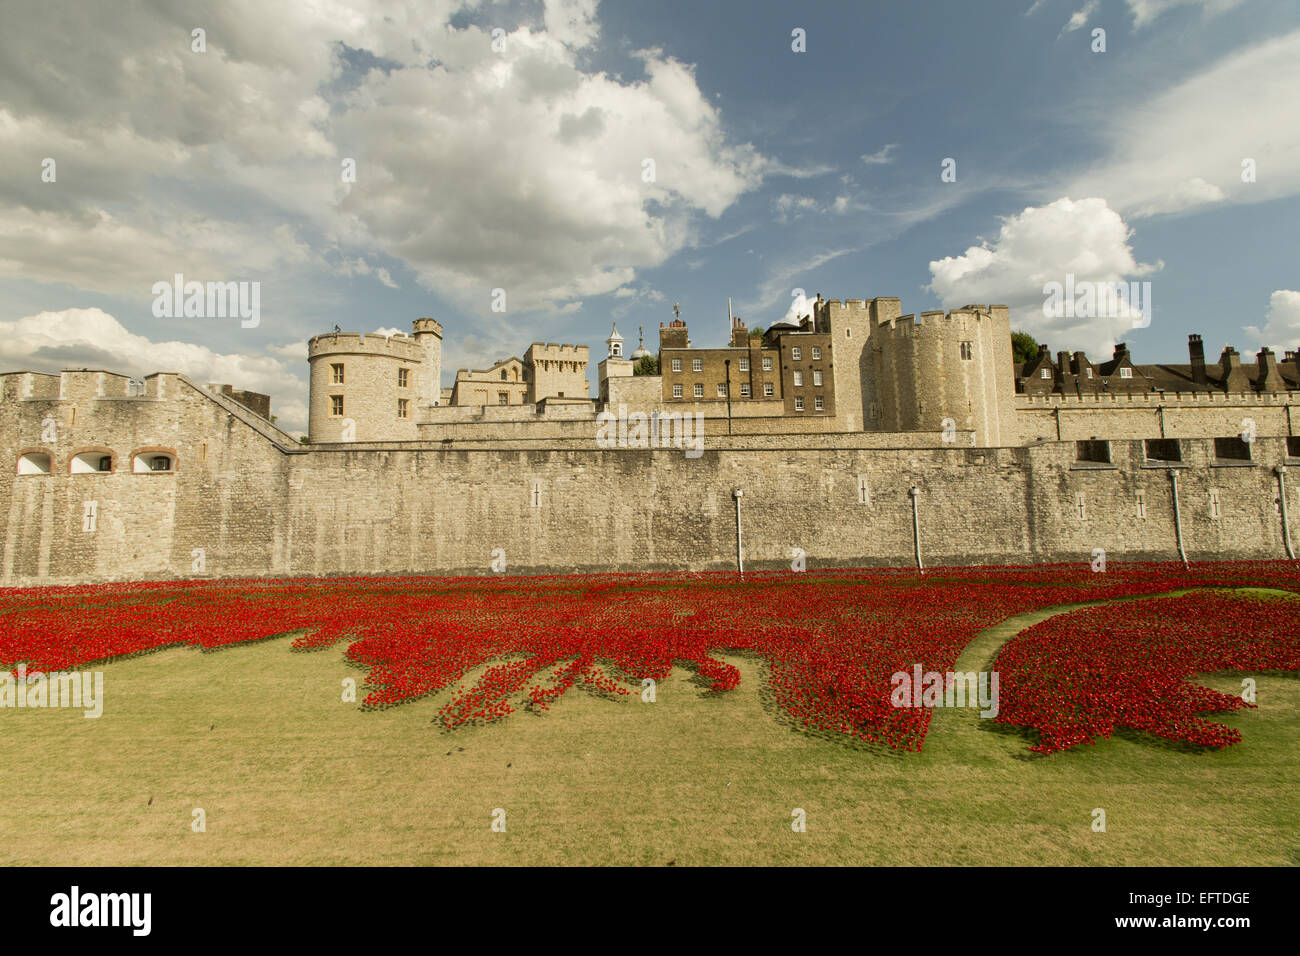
point(521, 167)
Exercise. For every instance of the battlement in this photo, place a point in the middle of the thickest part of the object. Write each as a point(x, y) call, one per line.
point(557, 351)
point(400, 346)
point(75, 384)
point(1151, 399)
point(978, 313)
point(426, 326)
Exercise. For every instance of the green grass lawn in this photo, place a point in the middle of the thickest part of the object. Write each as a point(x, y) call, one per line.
point(258, 737)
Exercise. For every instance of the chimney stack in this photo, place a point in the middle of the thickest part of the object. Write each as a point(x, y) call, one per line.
point(1235, 378)
point(1196, 350)
point(1269, 378)
point(739, 334)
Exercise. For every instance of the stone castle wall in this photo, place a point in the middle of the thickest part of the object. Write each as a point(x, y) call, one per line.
point(247, 501)
point(1175, 415)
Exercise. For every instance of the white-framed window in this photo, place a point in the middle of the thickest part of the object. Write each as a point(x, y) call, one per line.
point(819, 404)
point(722, 390)
point(699, 389)
point(1126, 373)
point(966, 352)
point(768, 391)
point(796, 353)
point(697, 365)
point(677, 365)
point(1088, 372)
point(817, 353)
point(1045, 373)
point(767, 363)
point(798, 377)
point(744, 364)
point(817, 376)
point(798, 404)
point(677, 392)
point(744, 390)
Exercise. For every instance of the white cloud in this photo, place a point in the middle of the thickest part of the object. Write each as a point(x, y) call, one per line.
point(881, 156)
point(359, 267)
point(1146, 11)
point(781, 285)
point(1080, 17)
point(1039, 245)
point(788, 208)
point(1281, 330)
point(1241, 107)
point(91, 338)
point(572, 22)
point(476, 169)
point(294, 351)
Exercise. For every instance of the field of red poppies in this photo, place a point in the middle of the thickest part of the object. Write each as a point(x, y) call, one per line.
point(1079, 676)
point(831, 640)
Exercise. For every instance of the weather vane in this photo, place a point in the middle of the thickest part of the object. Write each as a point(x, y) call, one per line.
point(677, 310)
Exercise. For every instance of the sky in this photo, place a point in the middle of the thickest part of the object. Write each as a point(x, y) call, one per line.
point(536, 170)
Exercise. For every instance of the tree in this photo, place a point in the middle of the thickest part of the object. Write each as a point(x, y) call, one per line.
point(649, 365)
point(756, 332)
point(1023, 347)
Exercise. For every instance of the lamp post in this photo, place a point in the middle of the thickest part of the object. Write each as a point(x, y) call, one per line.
point(915, 492)
point(1178, 516)
point(1280, 471)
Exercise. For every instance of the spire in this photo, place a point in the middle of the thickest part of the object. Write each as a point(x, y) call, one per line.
point(641, 351)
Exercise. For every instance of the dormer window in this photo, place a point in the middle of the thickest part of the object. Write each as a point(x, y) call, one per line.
point(1045, 373)
point(1088, 372)
point(1126, 373)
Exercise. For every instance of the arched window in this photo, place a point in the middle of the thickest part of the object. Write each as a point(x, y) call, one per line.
point(34, 463)
point(153, 461)
point(92, 461)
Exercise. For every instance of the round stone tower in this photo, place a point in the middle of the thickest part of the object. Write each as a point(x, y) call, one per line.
point(372, 387)
point(949, 370)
